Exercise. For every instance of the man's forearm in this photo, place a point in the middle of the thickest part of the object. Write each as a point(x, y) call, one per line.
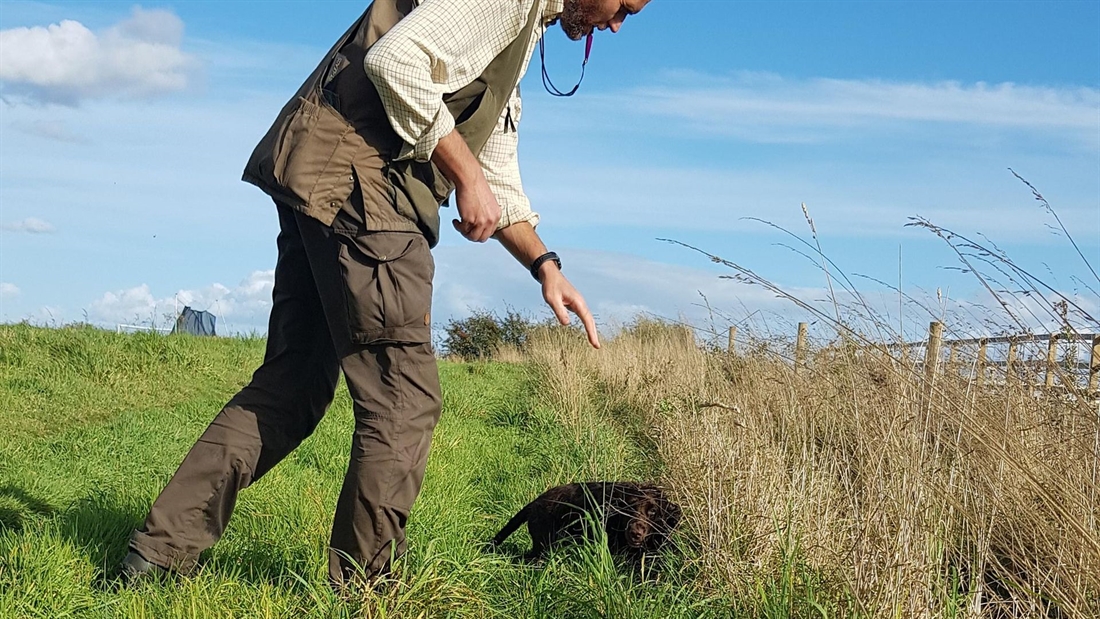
point(524, 244)
point(455, 160)
point(478, 210)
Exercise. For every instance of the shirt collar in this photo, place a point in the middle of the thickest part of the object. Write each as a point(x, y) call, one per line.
point(553, 10)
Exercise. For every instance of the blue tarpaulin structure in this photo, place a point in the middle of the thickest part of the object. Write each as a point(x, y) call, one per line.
point(195, 322)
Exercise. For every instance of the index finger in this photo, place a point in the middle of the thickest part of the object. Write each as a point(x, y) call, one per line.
point(581, 310)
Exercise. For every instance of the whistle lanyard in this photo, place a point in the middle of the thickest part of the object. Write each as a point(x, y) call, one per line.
point(547, 83)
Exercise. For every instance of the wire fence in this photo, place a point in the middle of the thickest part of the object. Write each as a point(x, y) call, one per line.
point(1068, 360)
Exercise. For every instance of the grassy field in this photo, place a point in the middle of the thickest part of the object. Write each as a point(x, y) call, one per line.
point(96, 423)
point(851, 488)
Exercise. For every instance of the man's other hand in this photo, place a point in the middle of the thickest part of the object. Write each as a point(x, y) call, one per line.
point(478, 210)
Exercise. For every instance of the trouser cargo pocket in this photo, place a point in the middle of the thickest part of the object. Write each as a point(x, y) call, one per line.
point(388, 287)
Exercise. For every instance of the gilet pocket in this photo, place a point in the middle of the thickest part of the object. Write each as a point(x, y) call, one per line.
point(315, 153)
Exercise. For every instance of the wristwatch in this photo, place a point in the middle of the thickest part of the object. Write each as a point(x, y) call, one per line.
point(541, 260)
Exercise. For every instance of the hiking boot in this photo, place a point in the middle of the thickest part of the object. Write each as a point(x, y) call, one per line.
point(135, 568)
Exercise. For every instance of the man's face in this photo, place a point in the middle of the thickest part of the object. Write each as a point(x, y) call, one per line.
point(580, 17)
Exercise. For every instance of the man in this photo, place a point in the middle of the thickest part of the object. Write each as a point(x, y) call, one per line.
point(406, 107)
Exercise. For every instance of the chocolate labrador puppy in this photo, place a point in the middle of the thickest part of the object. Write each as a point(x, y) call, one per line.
point(638, 518)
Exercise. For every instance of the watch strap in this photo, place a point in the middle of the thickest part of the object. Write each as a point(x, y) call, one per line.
point(541, 260)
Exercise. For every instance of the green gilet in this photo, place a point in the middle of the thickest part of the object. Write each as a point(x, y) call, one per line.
point(334, 137)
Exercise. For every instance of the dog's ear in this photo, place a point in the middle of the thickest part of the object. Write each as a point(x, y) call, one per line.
point(672, 515)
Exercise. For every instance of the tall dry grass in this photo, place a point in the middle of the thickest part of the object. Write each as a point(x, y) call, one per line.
point(852, 486)
point(889, 499)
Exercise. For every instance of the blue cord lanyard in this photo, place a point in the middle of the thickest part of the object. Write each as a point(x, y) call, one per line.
point(547, 83)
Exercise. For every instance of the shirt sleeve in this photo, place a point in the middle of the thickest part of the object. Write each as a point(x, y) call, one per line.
point(439, 47)
point(500, 162)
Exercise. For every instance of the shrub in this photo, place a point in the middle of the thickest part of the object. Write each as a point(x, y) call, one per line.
point(481, 334)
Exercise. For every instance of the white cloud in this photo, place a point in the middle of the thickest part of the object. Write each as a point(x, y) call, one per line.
point(30, 225)
point(50, 129)
point(132, 305)
point(66, 62)
point(241, 308)
point(46, 315)
point(700, 152)
point(769, 108)
point(8, 291)
point(617, 288)
point(858, 200)
point(1015, 312)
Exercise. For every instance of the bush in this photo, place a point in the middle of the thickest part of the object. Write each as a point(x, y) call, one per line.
point(480, 335)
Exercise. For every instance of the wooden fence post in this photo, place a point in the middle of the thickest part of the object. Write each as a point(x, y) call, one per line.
point(1052, 360)
point(1094, 365)
point(980, 378)
point(1010, 363)
point(733, 339)
point(932, 355)
point(800, 347)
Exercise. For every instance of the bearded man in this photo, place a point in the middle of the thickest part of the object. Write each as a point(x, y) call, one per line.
point(417, 100)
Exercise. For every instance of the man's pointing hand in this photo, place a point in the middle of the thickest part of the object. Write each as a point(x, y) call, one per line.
point(560, 295)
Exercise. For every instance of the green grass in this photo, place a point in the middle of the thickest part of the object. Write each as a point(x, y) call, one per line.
point(96, 423)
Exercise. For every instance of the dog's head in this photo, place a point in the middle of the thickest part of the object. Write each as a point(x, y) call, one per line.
point(652, 518)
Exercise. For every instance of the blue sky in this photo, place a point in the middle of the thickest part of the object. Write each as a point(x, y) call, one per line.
point(119, 166)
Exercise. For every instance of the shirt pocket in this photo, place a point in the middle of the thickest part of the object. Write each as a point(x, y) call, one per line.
point(513, 113)
point(314, 155)
point(388, 287)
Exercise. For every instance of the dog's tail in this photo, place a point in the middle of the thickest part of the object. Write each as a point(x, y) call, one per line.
point(513, 524)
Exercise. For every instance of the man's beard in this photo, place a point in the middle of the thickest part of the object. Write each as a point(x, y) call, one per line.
point(576, 19)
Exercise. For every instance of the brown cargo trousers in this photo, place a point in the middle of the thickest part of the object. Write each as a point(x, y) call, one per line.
point(342, 300)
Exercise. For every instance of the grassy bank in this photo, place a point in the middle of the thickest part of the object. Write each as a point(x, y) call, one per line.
point(849, 489)
point(96, 423)
point(853, 487)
